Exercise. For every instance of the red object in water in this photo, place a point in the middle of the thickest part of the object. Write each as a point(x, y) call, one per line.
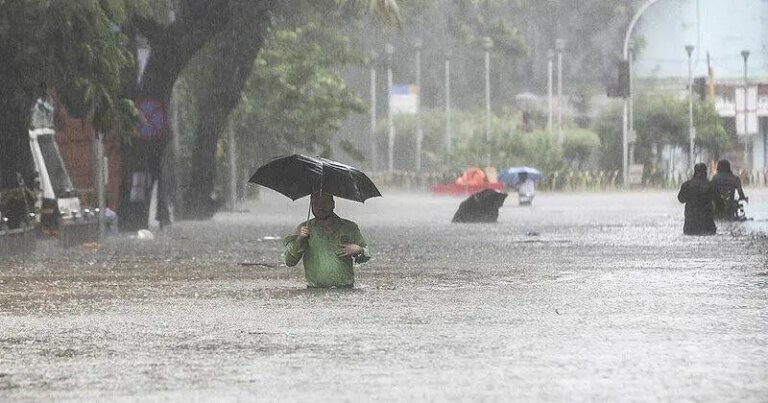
point(470, 182)
point(452, 189)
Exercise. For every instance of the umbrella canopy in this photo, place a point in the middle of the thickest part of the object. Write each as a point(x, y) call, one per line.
point(511, 176)
point(296, 176)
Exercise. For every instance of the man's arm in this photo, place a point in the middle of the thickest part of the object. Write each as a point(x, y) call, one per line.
point(739, 189)
point(364, 254)
point(294, 247)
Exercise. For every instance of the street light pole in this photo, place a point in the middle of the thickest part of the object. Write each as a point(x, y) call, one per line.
point(625, 120)
point(550, 56)
point(231, 156)
point(559, 46)
point(691, 135)
point(390, 123)
point(631, 136)
point(448, 133)
point(419, 133)
point(745, 55)
point(487, 45)
point(372, 137)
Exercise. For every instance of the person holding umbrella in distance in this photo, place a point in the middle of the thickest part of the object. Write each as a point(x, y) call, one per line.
point(328, 245)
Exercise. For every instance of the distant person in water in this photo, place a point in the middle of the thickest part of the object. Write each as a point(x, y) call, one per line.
point(526, 190)
point(328, 245)
point(697, 194)
point(726, 186)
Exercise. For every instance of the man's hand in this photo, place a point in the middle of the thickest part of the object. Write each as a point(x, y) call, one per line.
point(303, 233)
point(349, 250)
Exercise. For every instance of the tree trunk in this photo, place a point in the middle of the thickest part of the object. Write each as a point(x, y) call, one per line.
point(172, 47)
point(238, 46)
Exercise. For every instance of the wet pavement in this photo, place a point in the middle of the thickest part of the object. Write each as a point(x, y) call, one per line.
point(581, 297)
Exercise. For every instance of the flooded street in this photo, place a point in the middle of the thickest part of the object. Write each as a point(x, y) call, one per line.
point(581, 297)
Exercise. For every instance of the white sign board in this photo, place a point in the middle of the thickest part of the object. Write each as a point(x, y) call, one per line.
point(404, 99)
point(635, 174)
point(750, 111)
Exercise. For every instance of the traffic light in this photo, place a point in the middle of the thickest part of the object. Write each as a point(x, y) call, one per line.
point(623, 79)
point(621, 88)
point(700, 87)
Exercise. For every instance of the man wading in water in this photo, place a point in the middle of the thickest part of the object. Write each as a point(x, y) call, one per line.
point(328, 245)
point(697, 194)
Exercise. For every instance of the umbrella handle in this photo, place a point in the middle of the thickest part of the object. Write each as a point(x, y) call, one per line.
point(308, 210)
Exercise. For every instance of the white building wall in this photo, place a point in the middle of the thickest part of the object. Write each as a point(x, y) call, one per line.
point(760, 148)
point(722, 28)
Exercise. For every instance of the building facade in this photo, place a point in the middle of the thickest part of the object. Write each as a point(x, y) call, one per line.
point(719, 31)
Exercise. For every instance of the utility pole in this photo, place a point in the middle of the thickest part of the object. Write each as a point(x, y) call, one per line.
point(550, 56)
point(691, 135)
point(372, 135)
point(231, 147)
point(390, 50)
point(448, 134)
point(745, 55)
point(419, 133)
point(624, 118)
point(632, 136)
point(487, 45)
point(559, 46)
point(100, 182)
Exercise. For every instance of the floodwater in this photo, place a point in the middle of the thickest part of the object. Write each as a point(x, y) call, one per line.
point(581, 297)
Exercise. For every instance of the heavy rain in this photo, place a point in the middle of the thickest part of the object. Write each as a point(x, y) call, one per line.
point(457, 200)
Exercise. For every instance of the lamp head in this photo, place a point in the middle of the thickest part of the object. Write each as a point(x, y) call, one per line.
point(745, 54)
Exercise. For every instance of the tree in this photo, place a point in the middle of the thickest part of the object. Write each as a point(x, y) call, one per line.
point(710, 133)
point(73, 50)
point(228, 35)
point(294, 99)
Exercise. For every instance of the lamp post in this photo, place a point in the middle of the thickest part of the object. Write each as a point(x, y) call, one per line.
point(232, 157)
point(487, 45)
point(372, 137)
point(691, 135)
point(559, 46)
point(745, 56)
point(631, 136)
point(550, 56)
point(419, 133)
point(448, 133)
point(625, 119)
point(390, 50)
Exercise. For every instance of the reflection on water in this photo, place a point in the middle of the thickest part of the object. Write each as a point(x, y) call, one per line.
point(607, 300)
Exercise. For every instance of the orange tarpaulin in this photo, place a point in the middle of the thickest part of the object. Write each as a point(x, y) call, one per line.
point(473, 176)
point(472, 180)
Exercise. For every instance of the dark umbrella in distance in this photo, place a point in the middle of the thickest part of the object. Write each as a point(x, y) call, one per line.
point(296, 176)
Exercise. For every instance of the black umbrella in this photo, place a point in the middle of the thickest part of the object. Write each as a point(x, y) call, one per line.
point(298, 175)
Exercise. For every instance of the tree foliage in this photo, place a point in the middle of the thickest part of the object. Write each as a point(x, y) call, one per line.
point(76, 49)
point(295, 98)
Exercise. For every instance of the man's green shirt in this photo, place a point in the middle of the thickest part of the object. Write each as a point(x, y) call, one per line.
point(322, 266)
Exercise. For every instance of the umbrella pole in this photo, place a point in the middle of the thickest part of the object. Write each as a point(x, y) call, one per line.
point(308, 210)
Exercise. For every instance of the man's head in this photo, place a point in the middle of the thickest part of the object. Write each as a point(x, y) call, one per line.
point(700, 170)
point(322, 204)
point(724, 166)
